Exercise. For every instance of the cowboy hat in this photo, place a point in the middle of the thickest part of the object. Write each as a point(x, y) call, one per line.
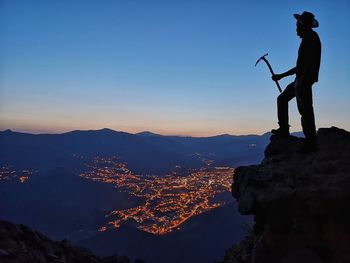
point(307, 19)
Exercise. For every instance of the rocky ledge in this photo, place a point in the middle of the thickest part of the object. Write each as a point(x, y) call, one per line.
point(300, 202)
point(21, 244)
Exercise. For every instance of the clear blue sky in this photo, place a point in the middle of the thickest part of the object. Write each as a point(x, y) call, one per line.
point(172, 67)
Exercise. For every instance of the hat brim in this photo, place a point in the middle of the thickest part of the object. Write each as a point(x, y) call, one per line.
point(314, 22)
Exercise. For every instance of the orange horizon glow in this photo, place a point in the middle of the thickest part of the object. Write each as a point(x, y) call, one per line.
point(61, 130)
point(166, 127)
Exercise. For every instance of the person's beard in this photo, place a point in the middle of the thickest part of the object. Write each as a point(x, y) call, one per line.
point(300, 32)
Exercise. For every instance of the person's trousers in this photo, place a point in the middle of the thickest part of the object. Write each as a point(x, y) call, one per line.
point(303, 94)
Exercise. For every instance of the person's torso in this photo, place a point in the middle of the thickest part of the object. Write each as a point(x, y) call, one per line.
point(309, 57)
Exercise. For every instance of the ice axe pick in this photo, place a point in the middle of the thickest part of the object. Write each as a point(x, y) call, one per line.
point(268, 64)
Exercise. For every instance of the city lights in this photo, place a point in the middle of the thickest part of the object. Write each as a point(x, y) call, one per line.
point(167, 201)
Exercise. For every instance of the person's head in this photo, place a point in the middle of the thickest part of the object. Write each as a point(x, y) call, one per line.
point(305, 22)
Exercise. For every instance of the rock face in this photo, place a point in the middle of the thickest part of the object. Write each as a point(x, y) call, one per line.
point(300, 202)
point(20, 244)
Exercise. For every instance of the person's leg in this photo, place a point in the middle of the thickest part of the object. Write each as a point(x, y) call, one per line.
point(306, 110)
point(282, 109)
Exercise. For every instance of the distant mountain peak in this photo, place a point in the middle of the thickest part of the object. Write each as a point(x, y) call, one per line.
point(147, 134)
point(107, 130)
point(99, 131)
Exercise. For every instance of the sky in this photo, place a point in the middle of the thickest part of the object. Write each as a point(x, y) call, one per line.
point(170, 67)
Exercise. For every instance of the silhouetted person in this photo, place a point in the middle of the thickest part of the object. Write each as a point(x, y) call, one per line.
point(306, 70)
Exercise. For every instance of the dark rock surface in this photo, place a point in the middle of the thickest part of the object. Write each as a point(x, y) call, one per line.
point(21, 244)
point(300, 202)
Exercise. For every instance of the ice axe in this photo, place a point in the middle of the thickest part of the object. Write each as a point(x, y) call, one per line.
point(268, 64)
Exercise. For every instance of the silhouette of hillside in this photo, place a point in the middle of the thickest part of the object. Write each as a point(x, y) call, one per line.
point(21, 244)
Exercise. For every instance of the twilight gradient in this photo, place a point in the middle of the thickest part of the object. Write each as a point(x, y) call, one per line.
point(172, 67)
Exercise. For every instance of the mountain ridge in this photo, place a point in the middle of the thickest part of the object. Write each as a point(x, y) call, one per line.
point(141, 152)
point(142, 133)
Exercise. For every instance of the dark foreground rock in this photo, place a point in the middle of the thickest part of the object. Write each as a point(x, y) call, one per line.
point(300, 202)
point(20, 244)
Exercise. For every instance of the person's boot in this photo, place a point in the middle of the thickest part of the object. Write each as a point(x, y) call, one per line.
point(281, 131)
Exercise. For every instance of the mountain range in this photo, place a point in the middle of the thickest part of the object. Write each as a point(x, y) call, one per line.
point(144, 152)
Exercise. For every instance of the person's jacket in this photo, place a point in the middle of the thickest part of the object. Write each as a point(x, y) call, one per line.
point(309, 57)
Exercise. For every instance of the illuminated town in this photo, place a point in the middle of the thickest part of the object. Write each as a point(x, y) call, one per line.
point(167, 201)
point(9, 173)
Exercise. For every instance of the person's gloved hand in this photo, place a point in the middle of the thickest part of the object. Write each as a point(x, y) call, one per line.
point(276, 77)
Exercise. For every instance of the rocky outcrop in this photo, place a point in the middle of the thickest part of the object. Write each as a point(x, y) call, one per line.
point(300, 202)
point(21, 244)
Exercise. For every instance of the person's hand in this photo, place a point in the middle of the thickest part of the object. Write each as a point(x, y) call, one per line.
point(276, 77)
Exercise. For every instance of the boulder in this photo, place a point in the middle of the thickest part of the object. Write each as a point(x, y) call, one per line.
point(300, 201)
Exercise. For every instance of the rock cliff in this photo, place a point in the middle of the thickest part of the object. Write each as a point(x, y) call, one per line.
point(300, 202)
point(21, 244)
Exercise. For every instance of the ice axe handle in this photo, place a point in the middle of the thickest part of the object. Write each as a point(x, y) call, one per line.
point(278, 86)
point(270, 68)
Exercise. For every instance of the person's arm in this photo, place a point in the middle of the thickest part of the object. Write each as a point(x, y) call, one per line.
point(277, 77)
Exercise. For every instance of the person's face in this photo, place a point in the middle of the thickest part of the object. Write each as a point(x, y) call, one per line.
point(301, 29)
